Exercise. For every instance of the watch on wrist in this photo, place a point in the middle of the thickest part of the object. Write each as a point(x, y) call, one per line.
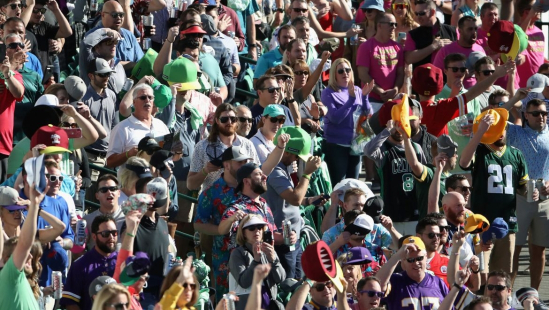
point(457, 286)
point(280, 10)
point(291, 100)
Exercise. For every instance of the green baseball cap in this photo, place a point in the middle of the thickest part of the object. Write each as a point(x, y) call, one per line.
point(273, 110)
point(145, 65)
point(162, 94)
point(183, 71)
point(299, 143)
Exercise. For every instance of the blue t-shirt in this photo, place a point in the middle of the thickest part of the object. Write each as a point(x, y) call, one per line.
point(34, 64)
point(127, 49)
point(266, 61)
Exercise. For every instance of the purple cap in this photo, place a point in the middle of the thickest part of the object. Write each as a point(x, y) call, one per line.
point(136, 266)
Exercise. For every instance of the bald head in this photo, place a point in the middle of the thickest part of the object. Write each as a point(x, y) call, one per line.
point(453, 205)
point(452, 198)
point(110, 8)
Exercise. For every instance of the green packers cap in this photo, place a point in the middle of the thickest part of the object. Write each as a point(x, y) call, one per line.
point(145, 65)
point(299, 143)
point(183, 71)
point(273, 110)
point(162, 94)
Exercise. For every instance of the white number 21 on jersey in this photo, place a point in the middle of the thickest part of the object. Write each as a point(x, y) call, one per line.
point(418, 304)
point(498, 182)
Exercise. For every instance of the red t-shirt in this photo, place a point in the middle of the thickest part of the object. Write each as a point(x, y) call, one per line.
point(437, 114)
point(439, 266)
point(7, 109)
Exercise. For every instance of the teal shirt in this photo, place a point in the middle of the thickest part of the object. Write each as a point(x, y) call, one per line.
point(209, 65)
point(266, 61)
point(243, 18)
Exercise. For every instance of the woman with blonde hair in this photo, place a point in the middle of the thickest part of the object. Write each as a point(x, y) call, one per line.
point(343, 98)
point(135, 169)
point(253, 251)
point(180, 289)
point(112, 297)
point(59, 91)
point(402, 10)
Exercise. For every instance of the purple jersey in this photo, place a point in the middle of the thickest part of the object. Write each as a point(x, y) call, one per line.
point(406, 294)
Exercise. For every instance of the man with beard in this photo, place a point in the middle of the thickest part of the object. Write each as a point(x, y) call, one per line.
point(453, 206)
point(274, 57)
point(302, 30)
point(99, 261)
point(125, 136)
point(414, 288)
point(499, 173)
point(499, 288)
point(16, 291)
point(387, 150)
point(533, 142)
point(466, 44)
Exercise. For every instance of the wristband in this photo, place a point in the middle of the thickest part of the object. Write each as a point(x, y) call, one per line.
point(127, 155)
point(131, 235)
point(306, 177)
point(204, 172)
point(474, 272)
point(457, 286)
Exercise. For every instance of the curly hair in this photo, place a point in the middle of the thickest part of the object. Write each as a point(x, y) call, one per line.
point(33, 278)
point(408, 18)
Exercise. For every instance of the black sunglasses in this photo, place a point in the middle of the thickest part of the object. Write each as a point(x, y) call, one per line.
point(321, 286)
point(298, 10)
point(447, 227)
point(418, 14)
point(14, 6)
point(283, 78)
point(271, 89)
point(391, 24)
point(186, 285)
point(498, 287)
point(488, 72)
point(373, 293)
point(432, 235)
point(54, 178)
point(346, 70)
point(245, 119)
point(538, 113)
point(255, 227)
point(13, 211)
point(225, 119)
point(465, 188)
point(120, 306)
point(107, 233)
point(413, 260)
point(15, 45)
point(456, 69)
point(104, 75)
point(35, 11)
point(145, 97)
point(304, 72)
point(273, 119)
point(69, 125)
point(117, 14)
point(105, 189)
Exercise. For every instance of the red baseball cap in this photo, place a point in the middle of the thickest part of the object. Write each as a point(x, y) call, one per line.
point(427, 80)
point(193, 29)
point(55, 139)
point(501, 35)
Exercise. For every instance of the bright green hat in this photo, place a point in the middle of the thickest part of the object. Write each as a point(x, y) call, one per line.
point(183, 71)
point(162, 94)
point(145, 65)
point(273, 110)
point(299, 143)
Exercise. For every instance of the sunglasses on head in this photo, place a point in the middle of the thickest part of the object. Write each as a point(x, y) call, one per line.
point(488, 72)
point(280, 120)
point(447, 227)
point(346, 70)
point(36, 11)
point(413, 260)
point(321, 286)
point(298, 10)
point(418, 14)
point(107, 233)
point(373, 293)
point(255, 227)
point(271, 89)
point(224, 119)
point(245, 119)
point(538, 113)
point(14, 6)
point(432, 235)
point(117, 14)
point(104, 75)
point(456, 69)
point(105, 189)
point(15, 45)
point(187, 285)
point(69, 125)
point(304, 72)
point(54, 178)
point(120, 306)
point(146, 97)
point(498, 287)
point(401, 6)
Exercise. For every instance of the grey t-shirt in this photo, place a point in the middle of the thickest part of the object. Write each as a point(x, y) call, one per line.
point(103, 109)
point(119, 219)
point(279, 180)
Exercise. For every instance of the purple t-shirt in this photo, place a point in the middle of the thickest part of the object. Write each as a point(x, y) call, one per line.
point(406, 294)
point(454, 48)
point(82, 272)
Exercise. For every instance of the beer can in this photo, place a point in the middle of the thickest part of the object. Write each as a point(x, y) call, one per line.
point(146, 43)
point(57, 284)
point(80, 236)
point(286, 231)
point(174, 13)
point(168, 264)
point(127, 85)
point(354, 38)
point(148, 20)
point(530, 186)
point(539, 184)
point(230, 301)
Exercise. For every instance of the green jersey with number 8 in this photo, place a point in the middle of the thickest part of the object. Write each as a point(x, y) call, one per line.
point(496, 177)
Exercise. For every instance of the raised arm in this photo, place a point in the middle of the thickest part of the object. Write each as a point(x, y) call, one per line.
point(89, 134)
point(315, 75)
point(479, 88)
point(165, 55)
point(65, 30)
point(50, 234)
point(411, 158)
point(299, 297)
point(295, 195)
point(26, 12)
point(276, 155)
point(132, 224)
point(469, 150)
point(331, 215)
point(127, 22)
point(384, 274)
point(254, 299)
point(434, 188)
